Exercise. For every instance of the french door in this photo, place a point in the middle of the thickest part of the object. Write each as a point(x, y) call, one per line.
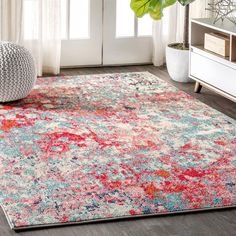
point(103, 32)
point(81, 29)
point(126, 39)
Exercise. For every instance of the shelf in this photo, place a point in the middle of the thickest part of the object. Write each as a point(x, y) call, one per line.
point(199, 27)
point(226, 26)
point(201, 47)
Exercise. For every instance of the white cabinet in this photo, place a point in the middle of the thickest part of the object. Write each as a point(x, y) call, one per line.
point(209, 69)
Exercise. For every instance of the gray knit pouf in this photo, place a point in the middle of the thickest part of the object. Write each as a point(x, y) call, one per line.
point(17, 72)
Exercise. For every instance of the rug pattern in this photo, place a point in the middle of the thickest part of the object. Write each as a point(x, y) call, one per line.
point(106, 146)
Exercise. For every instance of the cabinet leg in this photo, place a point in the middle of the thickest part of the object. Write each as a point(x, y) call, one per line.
point(198, 87)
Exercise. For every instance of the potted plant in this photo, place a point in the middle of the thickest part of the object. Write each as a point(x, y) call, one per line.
point(177, 54)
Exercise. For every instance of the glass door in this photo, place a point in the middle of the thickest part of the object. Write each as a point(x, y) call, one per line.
point(103, 32)
point(81, 30)
point(126, 39)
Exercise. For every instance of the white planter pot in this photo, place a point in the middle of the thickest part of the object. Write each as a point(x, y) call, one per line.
point(177, 62)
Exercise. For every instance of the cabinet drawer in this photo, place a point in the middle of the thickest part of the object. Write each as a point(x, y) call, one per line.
point(213, 73)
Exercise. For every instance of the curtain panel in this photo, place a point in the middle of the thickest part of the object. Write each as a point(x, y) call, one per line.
point(34, 24)
point(11, 20)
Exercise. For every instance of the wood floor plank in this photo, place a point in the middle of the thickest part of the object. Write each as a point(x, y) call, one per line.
point(212, 223)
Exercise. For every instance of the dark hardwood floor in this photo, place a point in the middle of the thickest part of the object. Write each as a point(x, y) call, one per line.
point(217, 223)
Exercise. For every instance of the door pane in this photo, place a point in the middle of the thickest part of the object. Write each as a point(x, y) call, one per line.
point(145, 26)
point(81, 32)
point(125, 21)
point(79, 19)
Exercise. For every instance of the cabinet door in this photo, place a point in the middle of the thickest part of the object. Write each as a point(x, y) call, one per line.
point(213, 73)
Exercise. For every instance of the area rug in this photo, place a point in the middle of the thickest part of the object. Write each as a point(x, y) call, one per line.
point(100, 147)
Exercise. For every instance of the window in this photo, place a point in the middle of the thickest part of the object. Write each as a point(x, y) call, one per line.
point(75, 16)
point(127, 25)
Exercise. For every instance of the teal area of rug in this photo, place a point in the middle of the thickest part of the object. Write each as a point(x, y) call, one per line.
point(100, 147)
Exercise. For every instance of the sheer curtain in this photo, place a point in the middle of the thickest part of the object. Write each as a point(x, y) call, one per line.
point(36, 25)
point(10, 20)
point(170, 28)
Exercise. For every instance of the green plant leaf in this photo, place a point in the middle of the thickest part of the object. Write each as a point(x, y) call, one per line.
point(167, 3)
point(153, 4)
point(140, 7)
point(154, 7)
point(157, 12)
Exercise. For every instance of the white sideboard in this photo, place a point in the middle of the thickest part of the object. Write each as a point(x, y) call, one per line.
point(207, 68)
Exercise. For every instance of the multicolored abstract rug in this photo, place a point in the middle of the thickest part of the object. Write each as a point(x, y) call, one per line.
point(101, 147)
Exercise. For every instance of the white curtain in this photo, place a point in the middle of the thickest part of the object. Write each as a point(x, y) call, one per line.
point(36, 25)
point(10, 20)
point(170, 28)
